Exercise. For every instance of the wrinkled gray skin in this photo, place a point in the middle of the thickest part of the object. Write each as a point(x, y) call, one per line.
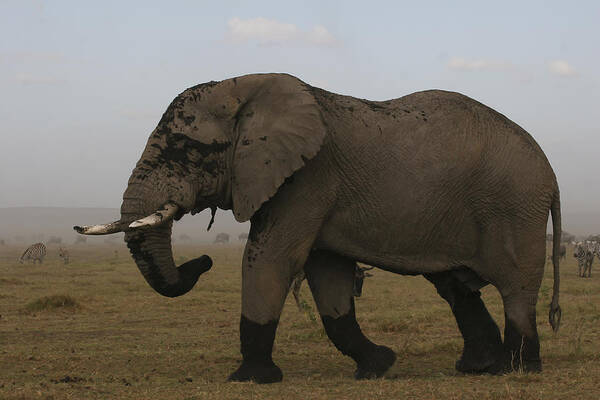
point(425, 184)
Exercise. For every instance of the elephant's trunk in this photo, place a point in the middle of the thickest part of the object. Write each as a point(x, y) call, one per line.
point(152, 252)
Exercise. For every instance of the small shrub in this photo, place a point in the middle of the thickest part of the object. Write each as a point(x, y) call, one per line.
point(50, 303)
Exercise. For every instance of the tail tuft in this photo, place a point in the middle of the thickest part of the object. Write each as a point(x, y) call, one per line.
point(554, 316)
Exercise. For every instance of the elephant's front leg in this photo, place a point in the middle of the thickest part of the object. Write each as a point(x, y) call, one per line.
point(331, 280)
point(265, 284)
point(277, 249)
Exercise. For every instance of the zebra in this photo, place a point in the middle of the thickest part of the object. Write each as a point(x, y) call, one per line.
point(579, 253)
point(36, 251)
point(584, 252)
point(64, 254)
point(592, 249)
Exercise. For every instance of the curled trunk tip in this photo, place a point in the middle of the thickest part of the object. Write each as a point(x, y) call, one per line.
point(152, 252)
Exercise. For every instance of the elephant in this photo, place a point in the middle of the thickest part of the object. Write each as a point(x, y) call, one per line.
point(458, 193)
point(221, 238)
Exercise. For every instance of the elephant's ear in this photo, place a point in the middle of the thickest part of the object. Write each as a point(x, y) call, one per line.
point(279, 128)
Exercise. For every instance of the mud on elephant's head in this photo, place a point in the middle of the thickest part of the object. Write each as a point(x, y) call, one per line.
point(227, 144)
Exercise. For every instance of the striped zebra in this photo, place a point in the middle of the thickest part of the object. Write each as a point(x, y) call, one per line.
point(579, 253)
point(34, 252)
point(593, 251)
point(64, 254)
point(584, 253)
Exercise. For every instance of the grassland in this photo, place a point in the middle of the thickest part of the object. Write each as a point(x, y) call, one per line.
point(93, 329)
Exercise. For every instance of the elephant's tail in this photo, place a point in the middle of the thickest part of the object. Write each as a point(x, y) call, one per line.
point(555, 312)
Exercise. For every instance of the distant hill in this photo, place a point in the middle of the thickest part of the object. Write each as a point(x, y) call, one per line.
point(39, 223)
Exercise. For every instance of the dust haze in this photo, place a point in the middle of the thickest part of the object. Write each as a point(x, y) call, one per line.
point(85, 84)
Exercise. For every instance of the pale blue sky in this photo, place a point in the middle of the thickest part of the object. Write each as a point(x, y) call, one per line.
point(84, 83)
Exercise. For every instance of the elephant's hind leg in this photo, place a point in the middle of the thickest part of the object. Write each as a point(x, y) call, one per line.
point(519, 284)
point(520, 332)
point(483, 350)
point(331, 280)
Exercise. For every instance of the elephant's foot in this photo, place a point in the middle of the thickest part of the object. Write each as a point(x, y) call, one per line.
point(376, 363)
point(522, 352)
point(257, 372)
point(482, 360)
point(504, 366)
point(257, 346)
point(515, 363)
point(480, 366)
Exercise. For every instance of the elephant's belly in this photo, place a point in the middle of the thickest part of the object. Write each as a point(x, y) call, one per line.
point(405, 251)
point(401, 263)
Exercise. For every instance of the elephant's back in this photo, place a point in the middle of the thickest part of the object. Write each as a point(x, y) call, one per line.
point(432, 127)
point(428, 114)
point(453, 108)
point(435, 147)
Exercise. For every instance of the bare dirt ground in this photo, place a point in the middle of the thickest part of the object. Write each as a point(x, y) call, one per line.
point(93, 329)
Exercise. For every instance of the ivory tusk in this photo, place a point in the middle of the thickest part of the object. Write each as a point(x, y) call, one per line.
point(162, 215)
point(105, 229)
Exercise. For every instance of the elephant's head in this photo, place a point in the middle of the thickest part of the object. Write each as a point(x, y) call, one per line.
point(227, 144)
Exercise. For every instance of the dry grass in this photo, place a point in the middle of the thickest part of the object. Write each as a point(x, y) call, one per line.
point(52, 303)
point(127, 342)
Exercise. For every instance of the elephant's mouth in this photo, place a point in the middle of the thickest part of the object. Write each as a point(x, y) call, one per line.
point(149, 241)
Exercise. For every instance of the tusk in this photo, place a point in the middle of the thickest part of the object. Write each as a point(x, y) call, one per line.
point(113, 227)
point(160, 216)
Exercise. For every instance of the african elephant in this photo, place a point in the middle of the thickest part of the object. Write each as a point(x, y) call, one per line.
point(459, 194)
point(221, 238)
